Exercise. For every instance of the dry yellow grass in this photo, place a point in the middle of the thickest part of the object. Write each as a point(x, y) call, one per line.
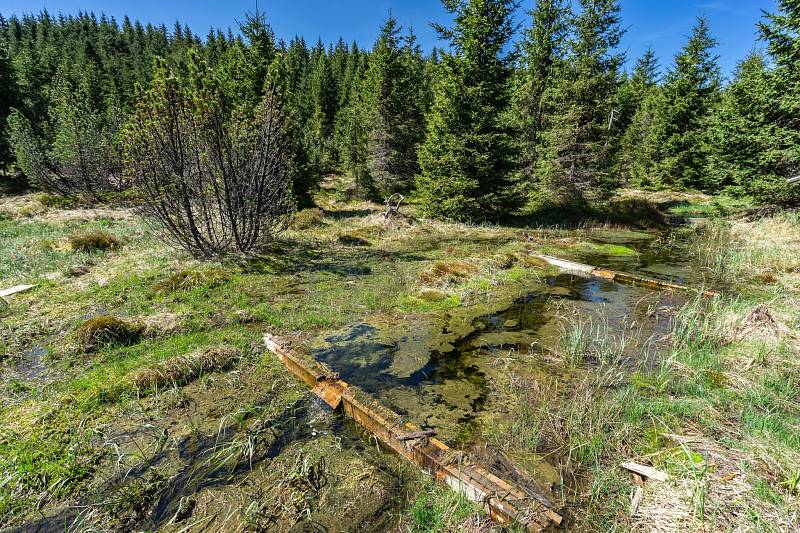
point(183, 369)
point(444, 272)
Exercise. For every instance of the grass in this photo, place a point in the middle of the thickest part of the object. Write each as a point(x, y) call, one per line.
point(93, 241)
point(437, 509)
point(727, 388)
point(718, 410)
point(102, 331)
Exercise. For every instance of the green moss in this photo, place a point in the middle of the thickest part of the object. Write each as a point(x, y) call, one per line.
point(423, 304)
point(614, 250)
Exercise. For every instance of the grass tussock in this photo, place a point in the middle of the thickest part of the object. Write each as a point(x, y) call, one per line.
point(308, 219)
point(180, 370)
point(103, 331)
point(352, 240)
point(93, 241)
point(54, 201)
point(189, 279)
point(445, 272)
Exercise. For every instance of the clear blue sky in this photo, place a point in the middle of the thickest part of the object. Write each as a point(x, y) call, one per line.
point(662, 24)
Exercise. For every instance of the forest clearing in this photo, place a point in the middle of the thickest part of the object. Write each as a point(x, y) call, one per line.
point(510, 284)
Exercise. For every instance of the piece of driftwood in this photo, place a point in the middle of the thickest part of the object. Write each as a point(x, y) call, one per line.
point(793, 180)
point(393, 205)
point(638, 494)
point(15, 290)
point(417, 435)
point(645, 471)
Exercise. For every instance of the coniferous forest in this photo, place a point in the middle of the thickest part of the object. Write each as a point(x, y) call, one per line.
point(478, 128)
point(523, 281)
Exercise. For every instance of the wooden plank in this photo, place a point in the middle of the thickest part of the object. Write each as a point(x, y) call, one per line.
point(15, 290)
point(416, 435)
point(645, 471)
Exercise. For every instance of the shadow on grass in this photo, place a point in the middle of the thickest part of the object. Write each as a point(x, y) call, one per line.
point(344, 214)
point(292, 257)
point(13, 185)
point(629, 212)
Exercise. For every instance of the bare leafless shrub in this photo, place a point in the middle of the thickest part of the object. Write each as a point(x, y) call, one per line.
point(214, 176)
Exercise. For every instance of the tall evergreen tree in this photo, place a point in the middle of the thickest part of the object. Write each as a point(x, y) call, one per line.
point(393, 112)
point(8, 100)
point(677, 145)
point(352, 127)
point(575, 156)
point(467, 159)
point(322, 94)
point(541, 53)
point(635, 102)
point(781, 30)
point(742, 148)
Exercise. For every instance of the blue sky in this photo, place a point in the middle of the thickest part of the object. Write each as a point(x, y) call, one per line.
point(662, 24)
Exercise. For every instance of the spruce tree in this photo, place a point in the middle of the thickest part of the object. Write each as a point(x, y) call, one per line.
point(677, 145)
point(466, 160)
point(392, 112)
point(322, 93)
point(636, 100)
point(742, 149)
point(8, 100)
point(575, 155)
point(781, 30)
point(541, 54)
point(352, 129)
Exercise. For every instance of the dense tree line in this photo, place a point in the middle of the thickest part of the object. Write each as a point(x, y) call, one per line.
point(475, 130)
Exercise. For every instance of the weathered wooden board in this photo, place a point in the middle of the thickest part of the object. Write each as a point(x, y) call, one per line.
point(15, 290)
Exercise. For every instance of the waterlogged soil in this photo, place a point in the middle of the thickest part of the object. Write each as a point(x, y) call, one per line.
point(247, 451)
point(439, 372)
point(233, 455)
point(449, 373)
point(657, 255)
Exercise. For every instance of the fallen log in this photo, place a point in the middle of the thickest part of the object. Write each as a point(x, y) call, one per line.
point(618, 277)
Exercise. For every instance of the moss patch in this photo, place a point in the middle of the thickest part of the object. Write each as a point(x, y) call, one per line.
point(93, 241)
point(103, 331)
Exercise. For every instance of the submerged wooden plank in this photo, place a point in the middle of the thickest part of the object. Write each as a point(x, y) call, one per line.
point(15, 290)
point(503, 501)
point(620, 277)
